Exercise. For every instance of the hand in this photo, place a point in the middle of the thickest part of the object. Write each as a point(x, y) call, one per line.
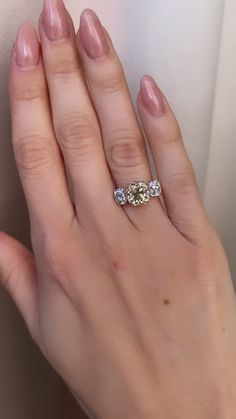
point(133, 306)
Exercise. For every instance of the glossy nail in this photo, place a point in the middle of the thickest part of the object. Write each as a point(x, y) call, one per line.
point(27, 49)
point(55, 20)
point(92, 34)
point(151, 96)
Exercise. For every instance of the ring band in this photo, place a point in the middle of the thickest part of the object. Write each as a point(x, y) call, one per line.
point(137, 193)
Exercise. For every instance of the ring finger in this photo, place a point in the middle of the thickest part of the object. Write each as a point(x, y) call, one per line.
point(123, 141)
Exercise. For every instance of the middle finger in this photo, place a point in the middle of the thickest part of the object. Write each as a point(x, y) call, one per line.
point(74, 118)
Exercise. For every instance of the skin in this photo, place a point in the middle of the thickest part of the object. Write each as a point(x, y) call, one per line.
point(134, 307)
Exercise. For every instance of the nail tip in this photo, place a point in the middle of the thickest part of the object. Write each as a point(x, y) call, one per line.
point(88, 14)
point(92, 34)
point(147, 78)
point(55, 20)
point(27, 49)
point(87, 10)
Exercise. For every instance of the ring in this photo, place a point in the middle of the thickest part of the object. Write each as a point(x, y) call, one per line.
point(137, 193)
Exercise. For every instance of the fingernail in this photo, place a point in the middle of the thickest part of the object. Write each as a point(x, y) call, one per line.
point(27, 49)
point(151, 96)
point(55, 20)
point(92, 34)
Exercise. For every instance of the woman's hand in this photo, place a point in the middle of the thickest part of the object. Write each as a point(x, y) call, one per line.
point(133, 306)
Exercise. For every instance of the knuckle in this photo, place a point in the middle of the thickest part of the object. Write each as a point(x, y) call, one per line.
point(33, 153)
point(77, 136)
point(112, 82)
point(63, 66)
point(171, 136)
point(28, 93)
point(126, 150)
point(182, 183)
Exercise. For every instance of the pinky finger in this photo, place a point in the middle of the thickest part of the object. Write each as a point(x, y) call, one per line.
point(18, 276)
point(175, 171)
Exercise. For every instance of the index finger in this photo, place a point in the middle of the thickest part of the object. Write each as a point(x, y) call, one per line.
point(37, 154)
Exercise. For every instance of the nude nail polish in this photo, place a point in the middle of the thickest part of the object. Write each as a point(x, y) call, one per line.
point(151, 96)
point(27, 50)
point(55, 20)
point(92, 34)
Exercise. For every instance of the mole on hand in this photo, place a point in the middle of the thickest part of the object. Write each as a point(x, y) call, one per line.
point(166, 302)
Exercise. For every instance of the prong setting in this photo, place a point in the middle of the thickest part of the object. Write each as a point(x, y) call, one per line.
point(154, 188)
point(120, 196)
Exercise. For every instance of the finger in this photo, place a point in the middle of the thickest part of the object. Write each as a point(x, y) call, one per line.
point(122, 137)
point(123, 140)
point(174, 168)
point(18, 276)
point(75, 122)
point(37, 154)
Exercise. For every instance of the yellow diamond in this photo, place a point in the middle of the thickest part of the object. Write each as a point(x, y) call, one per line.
point(137, 193)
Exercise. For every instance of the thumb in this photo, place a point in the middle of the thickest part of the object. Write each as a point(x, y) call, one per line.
point(18, 276)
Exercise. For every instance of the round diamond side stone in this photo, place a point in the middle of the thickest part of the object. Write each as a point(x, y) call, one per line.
point(120, 196)
point(154, 188)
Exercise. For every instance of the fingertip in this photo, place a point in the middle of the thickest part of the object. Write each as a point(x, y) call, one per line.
point(151, 96)
point(26, 47)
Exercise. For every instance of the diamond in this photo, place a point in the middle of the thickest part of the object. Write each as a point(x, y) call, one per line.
point(154, 188)
point(137, 193)
point(120, 196)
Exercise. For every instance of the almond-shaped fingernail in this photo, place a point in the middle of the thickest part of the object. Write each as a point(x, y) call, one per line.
point(55, 20)
point(151, 96)
point(92, 34)
point(27, 50)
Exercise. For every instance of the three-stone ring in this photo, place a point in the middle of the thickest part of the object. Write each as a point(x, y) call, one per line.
point(137, 193)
